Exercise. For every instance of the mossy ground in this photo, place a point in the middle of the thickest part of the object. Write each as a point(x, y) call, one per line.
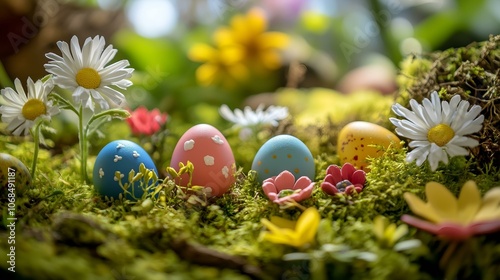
point(66, 231)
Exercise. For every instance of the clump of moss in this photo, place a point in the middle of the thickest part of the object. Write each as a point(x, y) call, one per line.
point(471, 72)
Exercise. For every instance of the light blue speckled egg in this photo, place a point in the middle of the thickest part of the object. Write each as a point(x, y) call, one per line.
point(122, 156)
point(283, 152)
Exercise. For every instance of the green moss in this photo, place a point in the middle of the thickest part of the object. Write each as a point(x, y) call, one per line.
point(471, 72)
point(66, 231)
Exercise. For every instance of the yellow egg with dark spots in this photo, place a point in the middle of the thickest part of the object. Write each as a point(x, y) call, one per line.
point(359, 140)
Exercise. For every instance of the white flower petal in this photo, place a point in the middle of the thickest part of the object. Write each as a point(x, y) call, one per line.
point(91, 55)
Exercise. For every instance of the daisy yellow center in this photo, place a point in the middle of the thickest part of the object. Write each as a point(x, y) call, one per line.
point(33, 109)
point(88, 78)
point(440, 134)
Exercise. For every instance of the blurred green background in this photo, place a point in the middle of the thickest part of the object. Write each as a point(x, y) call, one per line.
point(342, 45)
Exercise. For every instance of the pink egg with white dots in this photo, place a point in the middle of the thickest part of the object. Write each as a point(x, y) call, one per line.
point(209, 152)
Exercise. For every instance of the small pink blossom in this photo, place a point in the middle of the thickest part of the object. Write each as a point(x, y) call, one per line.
point(343, 180)
point(146, 122)
point(283, 187)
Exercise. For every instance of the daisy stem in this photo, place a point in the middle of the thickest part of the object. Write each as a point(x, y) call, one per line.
point(83, 145)
point(36, 138)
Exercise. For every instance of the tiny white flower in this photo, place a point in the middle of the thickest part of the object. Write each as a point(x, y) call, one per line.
point(248, 117)
point(21, 110)
point(438, 128)
point(84, 71)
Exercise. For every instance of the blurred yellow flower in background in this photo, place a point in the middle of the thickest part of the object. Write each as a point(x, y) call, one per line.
point(242, 48)
point(221, 65)
point(388, 233)
point(294, 233)
point(248, 32)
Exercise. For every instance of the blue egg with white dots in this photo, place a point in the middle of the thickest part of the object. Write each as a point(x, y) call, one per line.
point(284, 152)
point(120, 156)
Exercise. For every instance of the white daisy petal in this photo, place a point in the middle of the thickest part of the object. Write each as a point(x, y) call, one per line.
point(247, 118)
point(438, 129)
point(20, 121)
point(96, 83)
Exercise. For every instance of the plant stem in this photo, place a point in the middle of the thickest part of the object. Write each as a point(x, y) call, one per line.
point(386, 36)
point(36, 138)
point(83, 145)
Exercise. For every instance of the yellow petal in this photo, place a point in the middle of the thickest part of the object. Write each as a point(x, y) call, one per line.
point(379, 224)
point(469, 202)
point(276, 40)
point(420, 208)
point(307, 225)
point(280, 231)
point(490, 208)
point(231, 55)
point(270, 59)
point(238, 72)
point(224, 37)
point(206, 74)
point(401, 231)
point(286, 238)
point(248, 26)
point(389, 231)
point(442, 201)
point(283, 223)
point(202, 52)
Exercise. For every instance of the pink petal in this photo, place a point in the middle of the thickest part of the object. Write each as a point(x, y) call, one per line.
point(447, 230)
point(269, 187)
point(347, 171)
point(454, 231)
point(334, 171)
point(302, 183)
point(350, 189)
point(329, 179)
point(284, 181)
point(328, 188)
point(358, 187)
point(485, 227)
point(272, 196)
point(358, 177)
point(420, 224)
point(306, 192)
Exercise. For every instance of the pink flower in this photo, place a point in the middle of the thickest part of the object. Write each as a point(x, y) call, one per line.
point(345, 180)
point(146, 122)
point(283, 187)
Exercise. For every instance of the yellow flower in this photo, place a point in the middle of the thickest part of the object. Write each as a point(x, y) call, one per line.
point(221, 65)
point(248, 32)
point(240, 48)
point(388, 234)
point(454, 218)
point(297, 234)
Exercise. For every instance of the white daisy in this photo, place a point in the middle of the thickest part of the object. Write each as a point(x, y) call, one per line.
point(438, 129)
point(84, 71)
point(248, 117)
point(21, 110)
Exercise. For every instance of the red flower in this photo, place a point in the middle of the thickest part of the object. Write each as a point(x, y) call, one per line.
point(146, 122)
point(343, 180)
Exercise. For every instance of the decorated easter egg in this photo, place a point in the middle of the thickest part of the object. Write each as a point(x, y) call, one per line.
point(283, 152)
point(120, 156)
point(14, 177)
point(213, 160)
point(357, 141)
